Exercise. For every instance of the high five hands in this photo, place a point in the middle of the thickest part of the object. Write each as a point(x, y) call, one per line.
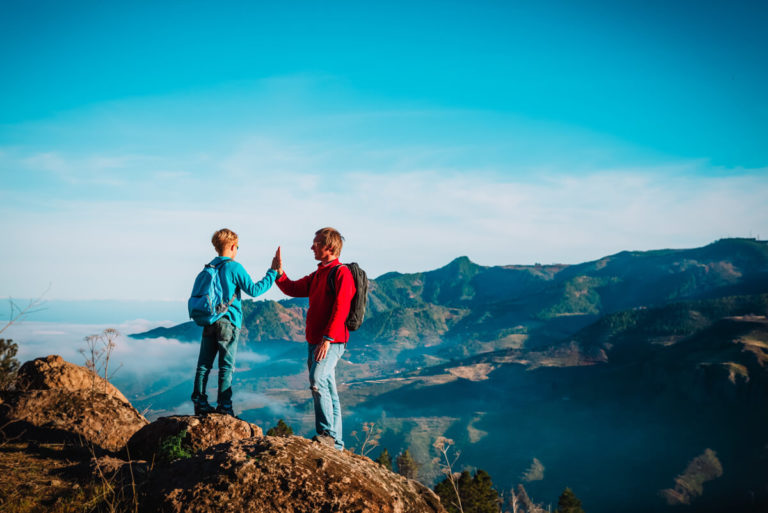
point(277, 262)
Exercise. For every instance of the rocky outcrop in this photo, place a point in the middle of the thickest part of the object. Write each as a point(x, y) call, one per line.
point(285, 474)
point(232, 466)
point(200, 433)
point(57, 401)
point(54, 373)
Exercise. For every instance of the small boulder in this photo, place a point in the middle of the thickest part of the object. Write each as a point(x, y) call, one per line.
point(54, 373)
point(201, 433)
point(57, 401)
point(285, 474)
point(71, 416)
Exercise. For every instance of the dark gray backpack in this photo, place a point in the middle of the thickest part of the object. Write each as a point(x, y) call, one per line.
point(360, 299)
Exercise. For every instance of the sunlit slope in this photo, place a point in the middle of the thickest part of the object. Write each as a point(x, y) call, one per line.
point(656, 402)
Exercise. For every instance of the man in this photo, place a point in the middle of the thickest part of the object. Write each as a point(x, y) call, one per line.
point(326, 330)
point(221, 336)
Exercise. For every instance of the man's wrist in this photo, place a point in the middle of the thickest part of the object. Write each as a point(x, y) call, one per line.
point(326, 338)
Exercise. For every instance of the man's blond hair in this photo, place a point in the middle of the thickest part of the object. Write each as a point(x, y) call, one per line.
point(223, 238)
point(331, 238)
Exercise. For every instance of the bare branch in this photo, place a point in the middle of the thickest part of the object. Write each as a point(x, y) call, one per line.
point(443, 446)
point(371, 436)
point(97, 354)
point(17, 313)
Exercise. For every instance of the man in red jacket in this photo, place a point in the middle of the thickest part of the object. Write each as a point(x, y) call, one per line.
point(327, 331)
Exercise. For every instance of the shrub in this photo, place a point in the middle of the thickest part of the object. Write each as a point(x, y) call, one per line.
point(281, 429)
point(406, 465)
point(568, 503)
point(172, 448)
point(384, 459)
point(9, 365)
point(476, 492)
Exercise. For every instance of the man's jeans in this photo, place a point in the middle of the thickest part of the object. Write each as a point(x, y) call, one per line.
point(218, 338)
point(322, 382)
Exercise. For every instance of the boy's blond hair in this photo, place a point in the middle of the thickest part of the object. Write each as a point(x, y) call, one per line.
point(222, 238)
point(330, 237)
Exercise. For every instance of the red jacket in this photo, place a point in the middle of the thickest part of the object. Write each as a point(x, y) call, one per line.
point(327, 313)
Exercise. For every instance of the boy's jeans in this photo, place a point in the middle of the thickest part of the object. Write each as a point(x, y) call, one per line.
point(218, 338)
point(322, 382)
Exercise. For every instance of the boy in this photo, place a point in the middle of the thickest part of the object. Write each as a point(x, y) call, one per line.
point(221, 336)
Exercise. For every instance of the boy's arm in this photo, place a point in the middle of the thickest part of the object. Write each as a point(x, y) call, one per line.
point(298, 288)
point(252, 288)
point(345, 284)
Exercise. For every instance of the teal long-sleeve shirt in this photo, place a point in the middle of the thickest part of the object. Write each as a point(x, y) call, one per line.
point(234, 279)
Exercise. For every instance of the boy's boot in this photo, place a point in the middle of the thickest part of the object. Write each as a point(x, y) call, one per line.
point(226, 409)
point(203, 408)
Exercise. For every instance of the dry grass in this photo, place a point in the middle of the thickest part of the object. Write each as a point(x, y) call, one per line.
point(39, 478)
point(52, 478)
point(736, 372)
point(690, 484)
point(475, 434)
point(477, 372)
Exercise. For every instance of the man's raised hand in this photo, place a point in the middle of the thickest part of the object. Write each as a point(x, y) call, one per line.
point(277, 262)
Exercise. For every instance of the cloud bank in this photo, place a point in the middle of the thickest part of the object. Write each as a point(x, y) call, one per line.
point(407, 221)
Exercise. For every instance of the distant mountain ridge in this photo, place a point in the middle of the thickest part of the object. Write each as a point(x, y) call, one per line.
point(498, 306)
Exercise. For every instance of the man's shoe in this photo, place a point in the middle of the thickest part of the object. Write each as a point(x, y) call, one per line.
point(203, 409)
point(325, 440)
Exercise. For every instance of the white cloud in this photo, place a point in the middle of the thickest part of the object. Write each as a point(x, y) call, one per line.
point(149, 239)
point(247, 400)
point(250, 357)
point(140, 361)
point(119, 170)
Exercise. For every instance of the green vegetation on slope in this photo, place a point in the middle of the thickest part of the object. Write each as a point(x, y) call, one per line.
point(668, 323)
point(477, 305)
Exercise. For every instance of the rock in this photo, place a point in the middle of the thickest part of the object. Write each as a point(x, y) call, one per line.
point(71, 416)
point(57, 401)
point(201, 433)
point(289, 475)
point(54, 373)
point(123, 481)
point(119, 473)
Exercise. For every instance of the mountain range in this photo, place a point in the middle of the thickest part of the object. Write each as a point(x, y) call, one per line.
point(609, 377)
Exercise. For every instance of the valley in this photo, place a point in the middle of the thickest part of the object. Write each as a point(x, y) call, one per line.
point(612, 374)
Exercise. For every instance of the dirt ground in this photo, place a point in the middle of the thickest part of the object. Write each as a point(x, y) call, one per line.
point(50, 478)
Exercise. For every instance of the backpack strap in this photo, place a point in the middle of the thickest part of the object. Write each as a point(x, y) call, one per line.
point(220, 266)
point(332, 278)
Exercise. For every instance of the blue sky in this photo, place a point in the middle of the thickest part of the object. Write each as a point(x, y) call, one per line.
point(511, 132)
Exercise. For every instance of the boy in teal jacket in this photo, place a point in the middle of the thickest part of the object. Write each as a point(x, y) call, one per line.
point(221, 336)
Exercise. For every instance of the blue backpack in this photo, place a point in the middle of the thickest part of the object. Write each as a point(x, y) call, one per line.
point(207, 305)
